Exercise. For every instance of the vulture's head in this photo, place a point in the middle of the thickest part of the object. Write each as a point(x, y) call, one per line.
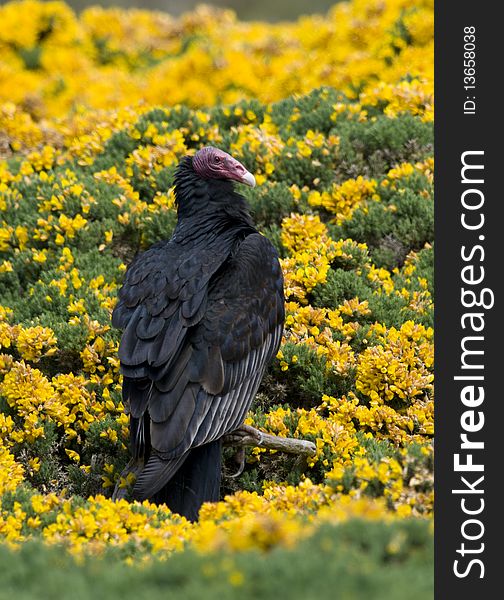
point(212, 163)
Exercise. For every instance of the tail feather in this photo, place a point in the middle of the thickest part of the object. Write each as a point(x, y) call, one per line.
point(190, 482)
point(156, 474)
point(140, 437)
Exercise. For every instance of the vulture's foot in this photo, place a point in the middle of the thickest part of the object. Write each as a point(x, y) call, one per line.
point(239, 459)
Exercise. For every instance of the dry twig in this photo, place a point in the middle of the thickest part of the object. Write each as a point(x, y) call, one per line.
point(250, 436)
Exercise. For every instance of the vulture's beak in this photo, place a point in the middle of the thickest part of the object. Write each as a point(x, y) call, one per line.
point(237, 172)
point(248, 179)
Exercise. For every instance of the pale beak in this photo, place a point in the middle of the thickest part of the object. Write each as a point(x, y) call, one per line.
point(248, 179)
point(237, 172)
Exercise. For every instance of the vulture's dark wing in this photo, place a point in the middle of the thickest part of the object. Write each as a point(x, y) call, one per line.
point(219, 363)
point(164, 294)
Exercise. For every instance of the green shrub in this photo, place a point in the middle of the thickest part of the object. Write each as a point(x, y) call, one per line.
point(351, 561)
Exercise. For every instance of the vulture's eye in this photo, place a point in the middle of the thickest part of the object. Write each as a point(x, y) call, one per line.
point(217, 160)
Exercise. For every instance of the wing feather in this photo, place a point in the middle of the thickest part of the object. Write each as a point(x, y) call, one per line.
point(205, 349)
point(149, 326)
point(156, 473)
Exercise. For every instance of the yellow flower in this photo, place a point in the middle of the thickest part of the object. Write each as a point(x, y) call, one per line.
point(72, 455)
point(35, 342)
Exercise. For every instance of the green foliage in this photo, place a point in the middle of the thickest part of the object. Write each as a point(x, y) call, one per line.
point(308, 379)
point(372, 147)
point(270, 204)
point(350, 561)
point(340, 286)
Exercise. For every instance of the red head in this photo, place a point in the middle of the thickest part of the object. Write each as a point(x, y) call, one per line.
point(212, 163)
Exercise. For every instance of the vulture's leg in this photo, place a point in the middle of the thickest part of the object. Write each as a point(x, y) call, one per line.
point(197, 481)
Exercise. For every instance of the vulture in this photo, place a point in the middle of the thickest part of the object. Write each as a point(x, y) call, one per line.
point(201, 316)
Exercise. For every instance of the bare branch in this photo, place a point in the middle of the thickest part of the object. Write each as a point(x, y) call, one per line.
point(250, 436)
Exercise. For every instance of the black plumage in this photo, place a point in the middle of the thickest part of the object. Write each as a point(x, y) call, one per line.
point(202, 316)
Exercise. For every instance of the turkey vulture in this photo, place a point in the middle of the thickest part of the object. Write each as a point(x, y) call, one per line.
point(202, 316)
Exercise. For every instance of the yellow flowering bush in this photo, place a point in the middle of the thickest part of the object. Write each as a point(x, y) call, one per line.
point(11, 473)
point(333, 115)
point(343, 199)
point(399, 368)
point(34, 342)
point(55, 61)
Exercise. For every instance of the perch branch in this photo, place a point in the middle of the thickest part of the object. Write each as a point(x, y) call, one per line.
point(250, 436)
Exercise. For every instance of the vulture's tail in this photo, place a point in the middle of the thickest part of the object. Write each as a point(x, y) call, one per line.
point(193, 478)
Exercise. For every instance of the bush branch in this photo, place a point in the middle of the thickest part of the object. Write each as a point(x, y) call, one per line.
point(250, 436)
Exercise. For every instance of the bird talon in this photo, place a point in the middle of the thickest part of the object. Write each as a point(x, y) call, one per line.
point(239, 457)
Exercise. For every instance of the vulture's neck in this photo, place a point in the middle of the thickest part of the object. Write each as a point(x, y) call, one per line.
point(209, 204)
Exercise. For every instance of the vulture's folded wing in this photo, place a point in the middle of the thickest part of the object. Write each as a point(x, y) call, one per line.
point(209, 387)
point(163, 295)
